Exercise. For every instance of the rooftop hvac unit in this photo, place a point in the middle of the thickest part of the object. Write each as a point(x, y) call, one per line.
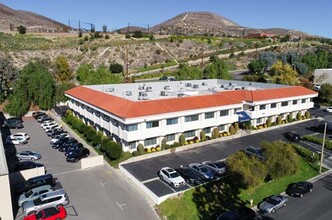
point(111, 89)
point(128, 93)
point(167, 87)
point(142, 96)
point(163, 93)
point(204, 84)
point(188, 84)
point(181, 94)
point(195, 86)
point(148, 89)
point(222, 86)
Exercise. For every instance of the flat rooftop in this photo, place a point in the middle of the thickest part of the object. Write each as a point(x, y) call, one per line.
point(171, 89)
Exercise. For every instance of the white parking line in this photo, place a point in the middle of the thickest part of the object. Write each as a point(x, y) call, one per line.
point(150, 180)
point(120, 206)
point(168, 186)
point(70, 171)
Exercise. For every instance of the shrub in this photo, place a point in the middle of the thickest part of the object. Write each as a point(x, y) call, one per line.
point(191, 142)
point(116, 68)
point(202, 136)
point(279, 120)
point(153, 149)
point(163, 141)
point(135, 153)
point(148, 150)
point(215, 133)
point(104, 144)
point(298, 116)
point(269, 122)
point(158, 148)
point(140, 149)
point(182, 139)
point(236, 126)
point(90, 135)
point(307, 154)
point(186, 143)
point(97, 138)
point(317, 140)
point(208, 137)
point(21, 29)
point(289, 118)
point(232, 130)
point(114, 150)
point(166, 147)
point(307, 114)
point(175, 144)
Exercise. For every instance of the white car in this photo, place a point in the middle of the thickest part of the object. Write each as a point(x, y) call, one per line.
point(52, 128)
point(16, 140)
point(47, 123)
point(170, 176)
point(329, 109)
point(21, 135)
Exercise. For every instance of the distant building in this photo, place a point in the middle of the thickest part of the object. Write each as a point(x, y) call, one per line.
point(147, 113)
point(260, 35)
point(322, 76)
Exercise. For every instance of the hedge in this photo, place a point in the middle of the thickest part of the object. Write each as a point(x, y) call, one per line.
point(317, 140)
point(114, 150)
point(307, 154)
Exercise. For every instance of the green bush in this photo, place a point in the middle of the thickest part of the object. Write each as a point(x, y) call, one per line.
point(182, 139)
point(307, 154)
point(232, 130)
point(236, 126)
point(202, 136)
point(114, 150)
point(90, 135)
point(307, 114)
point(166, 147)
point(215, 133)
point(104, 144)
point(175, 144)
point(289, 118)
point(269, 122)
point(298, 116)
point(97, 138)
point(135, 153)
point(279, 120)
point(317, 140)
point(140, 149)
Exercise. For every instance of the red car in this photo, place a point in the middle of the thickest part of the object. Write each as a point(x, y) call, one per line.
point(52, 213)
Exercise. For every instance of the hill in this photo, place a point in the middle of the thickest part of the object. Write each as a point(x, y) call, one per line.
point(32, 21)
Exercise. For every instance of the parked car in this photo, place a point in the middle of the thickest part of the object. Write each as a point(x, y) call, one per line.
point(206, 173)
point(52, 127)
point(60, 142)
point(33, 182)
point(78, 154)
point(328, 109)
point(255, 151)
point(218, 168)
point(189, 175)
point(25, 165)
point(241, 213)
point(272, 203)
point(48, 125)
point(28, 155)
point(292, 136)
point(52, 199)
point(171, 177)
point(73, 147)
point(52, 213)
point(38, 114)
point(14, 119)
point(13, 125)
point(60, 137)
point(299, 189)
point(68, 144)
point(16, 140)
point(43, 118)
point(321, 126)
point(60, 132)
point(53, 131)
point(21, 134)
point(34, 193)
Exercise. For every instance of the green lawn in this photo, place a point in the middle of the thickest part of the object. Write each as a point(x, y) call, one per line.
point(195, 204)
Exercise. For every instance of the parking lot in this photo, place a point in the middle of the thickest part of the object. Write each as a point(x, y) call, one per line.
point(146, 170)
point(95, 193)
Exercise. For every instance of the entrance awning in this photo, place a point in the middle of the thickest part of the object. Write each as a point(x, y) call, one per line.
point(243, 116)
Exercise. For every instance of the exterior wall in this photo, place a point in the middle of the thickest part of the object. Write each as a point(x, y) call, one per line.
point(6, 210)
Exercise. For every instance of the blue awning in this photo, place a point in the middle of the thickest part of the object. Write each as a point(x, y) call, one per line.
point(243, 116)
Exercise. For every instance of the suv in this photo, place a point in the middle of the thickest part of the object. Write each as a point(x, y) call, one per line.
point(171, 177)
point(16, 140)
point(34, 194)
point(218, 168)
point(73, 147)
point(292, 136)
point(35, 182)
point(13, 124)
point(78, 154)
point(51, 199)
point(205, 172)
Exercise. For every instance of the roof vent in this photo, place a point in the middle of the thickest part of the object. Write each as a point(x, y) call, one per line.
point(222, 86)
point(111, 89)
point(204, 84)
point(128, 93)
point(167, 87)
point(148, 89)
point(181, 94)
point(142, 96)
point(163, 93)
point(188, 84)
point(195, 86)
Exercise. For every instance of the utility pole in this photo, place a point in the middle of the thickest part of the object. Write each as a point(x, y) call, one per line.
point(202, 62)
point(127, 64)
point(322, 152)
point(148, 29)
point(128, 28)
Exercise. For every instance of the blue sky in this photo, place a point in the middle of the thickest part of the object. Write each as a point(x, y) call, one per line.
point(314, 17)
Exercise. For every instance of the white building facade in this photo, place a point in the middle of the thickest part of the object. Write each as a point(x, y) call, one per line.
point(147, 113)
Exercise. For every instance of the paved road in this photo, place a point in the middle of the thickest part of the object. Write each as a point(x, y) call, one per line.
point(313, 206)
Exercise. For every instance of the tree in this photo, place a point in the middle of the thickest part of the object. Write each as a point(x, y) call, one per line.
point(202, 135)
point(215, 133)
point(325, 92)
point(256, 66)
point(218, 69)
point(60, 91)
point(8, 75)
point(232, 130)
point(137, 34)
point(140, 149)
point(283, 74)
point(104, 28)
point(86, 75)
point(116, 68)
point(182, 139)
point(186, 72)
point(114, 150)
point(62, 71)
point(268, 58)
point(21, 29)
point(97, 138)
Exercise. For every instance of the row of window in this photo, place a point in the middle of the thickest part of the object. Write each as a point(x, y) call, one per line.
point(283, 104)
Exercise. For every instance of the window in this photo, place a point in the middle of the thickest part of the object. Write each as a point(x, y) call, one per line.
point(224, 112)
point(97, 113)
point(284, 104)
point(152, 124)
point(303, 101)
point(170, 137)
point(262, 107)
point(191, 118)
point(188, 134)
point(150, 141)
point(132, 127)
point(311, 99)
point(259, 120)
point(106, 118)
point(236, 110)
point(132, 145)
point(294, 102)
point(207, 130)
point(273, 105)
point(221, 127)
point(172, 121)
point(209, 115)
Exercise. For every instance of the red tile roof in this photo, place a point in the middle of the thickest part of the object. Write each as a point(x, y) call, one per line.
point(129, 109)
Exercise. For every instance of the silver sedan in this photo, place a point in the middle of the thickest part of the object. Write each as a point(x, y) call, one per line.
point(273, 203)
point(28, 155)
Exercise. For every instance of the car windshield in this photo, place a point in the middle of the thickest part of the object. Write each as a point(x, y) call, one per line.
point(174, 175)
point(37, 201)
point(272, 201)
point(219, 165)
point(204, 169)
point(28, 194)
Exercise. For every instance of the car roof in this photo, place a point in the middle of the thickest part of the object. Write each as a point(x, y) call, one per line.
point(39, 188)
point(53, 194)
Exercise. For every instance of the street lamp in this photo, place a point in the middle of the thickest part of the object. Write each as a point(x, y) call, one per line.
point(322, 152)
